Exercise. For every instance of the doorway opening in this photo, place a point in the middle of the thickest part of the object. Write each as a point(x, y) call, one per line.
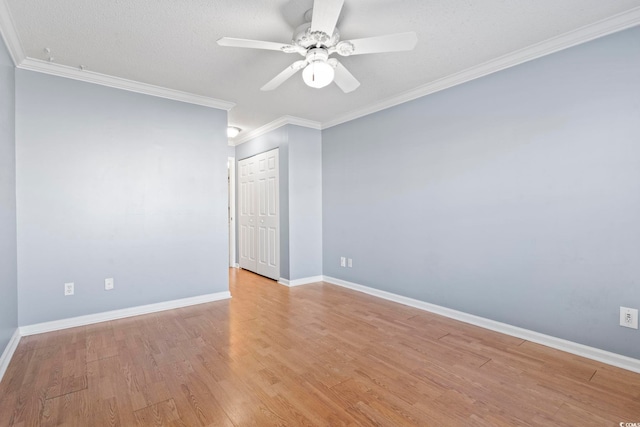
point(231, 185)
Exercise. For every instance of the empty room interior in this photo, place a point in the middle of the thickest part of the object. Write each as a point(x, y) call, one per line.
point(329, 212)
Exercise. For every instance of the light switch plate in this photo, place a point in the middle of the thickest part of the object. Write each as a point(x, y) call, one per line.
point(108, 284)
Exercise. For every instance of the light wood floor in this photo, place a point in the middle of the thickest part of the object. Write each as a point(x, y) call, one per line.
point(312, 355)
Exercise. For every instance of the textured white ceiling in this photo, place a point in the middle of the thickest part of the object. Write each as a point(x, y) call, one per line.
point(172, 44)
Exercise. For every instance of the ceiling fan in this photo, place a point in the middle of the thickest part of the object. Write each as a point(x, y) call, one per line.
point(316, 40)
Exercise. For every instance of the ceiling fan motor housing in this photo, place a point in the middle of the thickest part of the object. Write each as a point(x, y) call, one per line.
point(303, 36)
point(317, 54)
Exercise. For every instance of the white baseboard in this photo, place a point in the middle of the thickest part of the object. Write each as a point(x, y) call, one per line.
point(7, 354)
point(299, 282)
point(119, 314)
point(593, 353)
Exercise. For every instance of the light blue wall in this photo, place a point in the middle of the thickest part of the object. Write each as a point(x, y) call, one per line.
point(515, 197)
point(116, 184)
point(231, 151)
point(277, 138)
point(305, 202)
point(8, 266)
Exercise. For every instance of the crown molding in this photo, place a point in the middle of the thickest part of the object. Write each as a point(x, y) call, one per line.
point(622, 21)
point(277, 123)
point(11, 40)
point(120, 83)
point(581, 35)
point(9, 34)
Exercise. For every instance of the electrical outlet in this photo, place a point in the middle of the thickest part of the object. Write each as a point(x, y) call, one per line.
point(349, 263)
point(343, 261)
point(68, 289)
point(629, 317)
point(108, 284)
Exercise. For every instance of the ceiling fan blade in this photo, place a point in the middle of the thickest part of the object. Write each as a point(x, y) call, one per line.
point(325, 15)
point(389, 43)
point(344, 79)
point(257, 44)
point(284, 75)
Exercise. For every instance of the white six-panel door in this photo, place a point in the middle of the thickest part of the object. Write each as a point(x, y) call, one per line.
point(247, 213)
point(259, 217)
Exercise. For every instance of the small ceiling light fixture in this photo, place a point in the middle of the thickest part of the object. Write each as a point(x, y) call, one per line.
point(233, 131)
point(319, 73)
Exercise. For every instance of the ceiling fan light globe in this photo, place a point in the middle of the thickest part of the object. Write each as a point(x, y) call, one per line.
point(318, 74)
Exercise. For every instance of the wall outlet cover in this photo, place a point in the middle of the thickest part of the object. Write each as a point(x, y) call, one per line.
point(629, 317)
point(69, 289)
point(343, 261)
point(108, 284)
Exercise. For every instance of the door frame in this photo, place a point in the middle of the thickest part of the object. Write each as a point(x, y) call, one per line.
point(231, 171)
